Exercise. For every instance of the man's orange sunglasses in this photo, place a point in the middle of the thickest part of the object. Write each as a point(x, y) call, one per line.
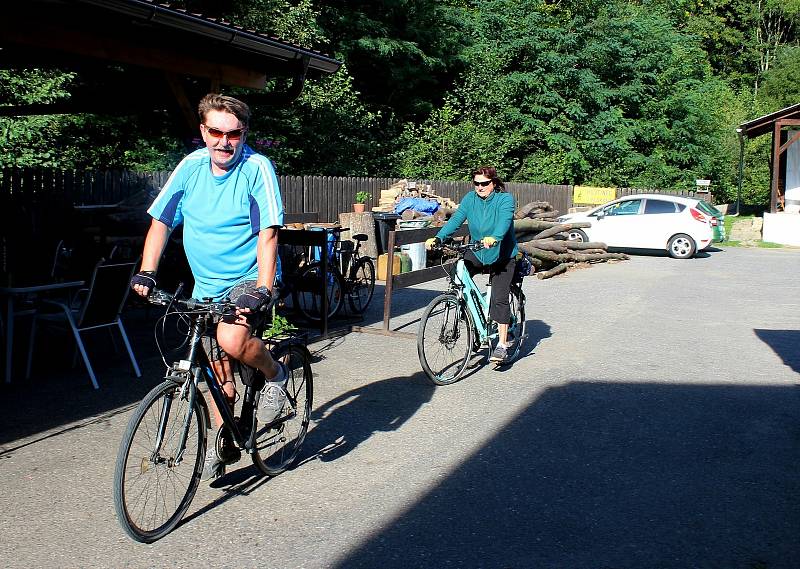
point(234, 134)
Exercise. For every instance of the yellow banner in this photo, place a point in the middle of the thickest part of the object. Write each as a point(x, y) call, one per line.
point(588, 195)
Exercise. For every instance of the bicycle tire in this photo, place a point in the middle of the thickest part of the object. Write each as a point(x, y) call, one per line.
point(516, 329)
point(277, 445)
point(444, 341)
point(142, 487)
point(362, 285)
point(307, 297)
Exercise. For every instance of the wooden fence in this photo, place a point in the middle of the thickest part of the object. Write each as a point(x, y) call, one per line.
point(39, 206)
point(327, 195)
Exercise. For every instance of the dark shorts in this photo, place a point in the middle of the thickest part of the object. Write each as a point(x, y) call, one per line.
point(210, 338)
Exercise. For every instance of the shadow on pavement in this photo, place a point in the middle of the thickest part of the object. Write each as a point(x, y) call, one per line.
point(348, 420)
point(61, 396)
point(58, 394)
point(785, 343)
point(616, 475)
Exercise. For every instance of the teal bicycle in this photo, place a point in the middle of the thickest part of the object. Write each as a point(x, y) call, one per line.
point(456, 324)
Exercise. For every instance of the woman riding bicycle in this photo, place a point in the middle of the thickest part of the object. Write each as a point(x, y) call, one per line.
point(489, 212)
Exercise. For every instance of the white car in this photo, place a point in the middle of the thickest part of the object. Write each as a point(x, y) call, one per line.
point(647, 221)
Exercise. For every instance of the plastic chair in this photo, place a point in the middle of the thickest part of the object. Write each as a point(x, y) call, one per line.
point(101, 308)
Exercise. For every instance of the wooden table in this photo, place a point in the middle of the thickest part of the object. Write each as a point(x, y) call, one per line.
point(12, 293)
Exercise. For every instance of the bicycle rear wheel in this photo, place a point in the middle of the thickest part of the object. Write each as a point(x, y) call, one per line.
point(361, 285)
point(307, 295)
point(444, 341)
point(277, 445)
point(152, 489)
point(516, 329)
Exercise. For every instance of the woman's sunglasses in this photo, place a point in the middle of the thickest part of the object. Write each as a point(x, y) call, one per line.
point(234, 134)
point(476, 183)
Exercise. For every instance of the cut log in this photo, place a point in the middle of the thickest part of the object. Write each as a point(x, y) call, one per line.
point(561, 228)
point(557, 270)
point(532, 225)
point(525, 210)
point(360, 223)
point(578, 245)
point(544, 215)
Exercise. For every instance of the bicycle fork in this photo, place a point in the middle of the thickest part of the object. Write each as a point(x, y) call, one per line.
point(189, 384)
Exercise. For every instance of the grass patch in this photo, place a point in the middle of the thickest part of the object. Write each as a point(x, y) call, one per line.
point(729, 243)
point(729, 220)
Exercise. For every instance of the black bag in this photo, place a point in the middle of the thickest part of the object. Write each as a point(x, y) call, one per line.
point(523, 268)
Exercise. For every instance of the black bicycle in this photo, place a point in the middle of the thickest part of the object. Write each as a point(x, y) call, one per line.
point(350, 276)
point(162, 453)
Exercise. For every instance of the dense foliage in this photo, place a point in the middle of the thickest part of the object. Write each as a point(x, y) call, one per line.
point(636, 93)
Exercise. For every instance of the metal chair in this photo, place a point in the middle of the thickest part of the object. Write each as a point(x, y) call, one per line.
point(101, 308)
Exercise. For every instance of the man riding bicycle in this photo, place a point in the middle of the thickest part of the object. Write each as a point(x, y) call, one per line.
point(227, 198)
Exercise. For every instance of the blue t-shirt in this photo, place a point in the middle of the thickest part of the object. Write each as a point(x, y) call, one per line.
point(221, 217)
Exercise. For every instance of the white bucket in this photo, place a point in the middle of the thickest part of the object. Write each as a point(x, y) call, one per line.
point(416, 251)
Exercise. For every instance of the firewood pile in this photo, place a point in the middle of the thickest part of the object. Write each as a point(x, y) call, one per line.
point(546, 241)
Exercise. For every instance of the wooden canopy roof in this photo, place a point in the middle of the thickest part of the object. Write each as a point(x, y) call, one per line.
point(139, 53)
point(765, 124)
point(789, 118)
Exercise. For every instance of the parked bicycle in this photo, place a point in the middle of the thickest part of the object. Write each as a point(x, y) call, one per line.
point(161, 455)
point(351, 276)
point(456, 323)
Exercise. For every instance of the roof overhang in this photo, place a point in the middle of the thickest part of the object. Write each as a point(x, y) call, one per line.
point(163, 46)
point(765, 124)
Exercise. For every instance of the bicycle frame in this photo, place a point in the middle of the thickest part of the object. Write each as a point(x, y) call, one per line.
point(477, 302)
point(197, 367)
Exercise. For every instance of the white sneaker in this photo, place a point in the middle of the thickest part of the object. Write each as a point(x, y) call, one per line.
point(273, 397)
point(213, 467)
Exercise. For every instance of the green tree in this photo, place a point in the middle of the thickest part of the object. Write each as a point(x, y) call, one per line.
point(781, 88)
point(403, 54)
point(567, 95)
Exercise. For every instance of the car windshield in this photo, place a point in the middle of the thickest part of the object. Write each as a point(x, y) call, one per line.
point(627, 207)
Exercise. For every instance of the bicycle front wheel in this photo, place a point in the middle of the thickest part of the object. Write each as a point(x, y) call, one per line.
point(307, 295)
point(155, 483)
point(444, 341)
point(277, 445)
point(362, 285)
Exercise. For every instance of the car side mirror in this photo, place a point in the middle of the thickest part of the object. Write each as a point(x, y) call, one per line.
point(600, 214)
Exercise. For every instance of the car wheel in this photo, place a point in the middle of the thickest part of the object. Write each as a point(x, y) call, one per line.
point(577, 235)
point(681, 246)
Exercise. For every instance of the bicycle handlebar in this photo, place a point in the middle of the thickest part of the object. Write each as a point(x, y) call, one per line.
point(163, 298)
point(460, 248)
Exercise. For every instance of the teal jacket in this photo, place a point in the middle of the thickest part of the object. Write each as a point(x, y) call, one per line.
point(492, 217)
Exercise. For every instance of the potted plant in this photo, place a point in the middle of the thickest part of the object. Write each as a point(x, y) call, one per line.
point(361, 201)
point(280, 328)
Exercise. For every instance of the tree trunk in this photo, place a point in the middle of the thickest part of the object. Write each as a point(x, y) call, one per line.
point(360, 223)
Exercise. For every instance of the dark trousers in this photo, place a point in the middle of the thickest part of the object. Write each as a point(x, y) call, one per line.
point(501, 272)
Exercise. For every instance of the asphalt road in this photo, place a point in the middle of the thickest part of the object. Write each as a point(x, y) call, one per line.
point(654, 421)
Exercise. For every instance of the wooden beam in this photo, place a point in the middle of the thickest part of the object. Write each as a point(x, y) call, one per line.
point(187, 110)
point(776, 164)
point(123, 50)
point(791, 141)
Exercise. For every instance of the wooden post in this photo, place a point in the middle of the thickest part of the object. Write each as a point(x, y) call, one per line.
point(387, 294)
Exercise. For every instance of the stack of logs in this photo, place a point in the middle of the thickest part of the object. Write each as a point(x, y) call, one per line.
point(546, 241)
